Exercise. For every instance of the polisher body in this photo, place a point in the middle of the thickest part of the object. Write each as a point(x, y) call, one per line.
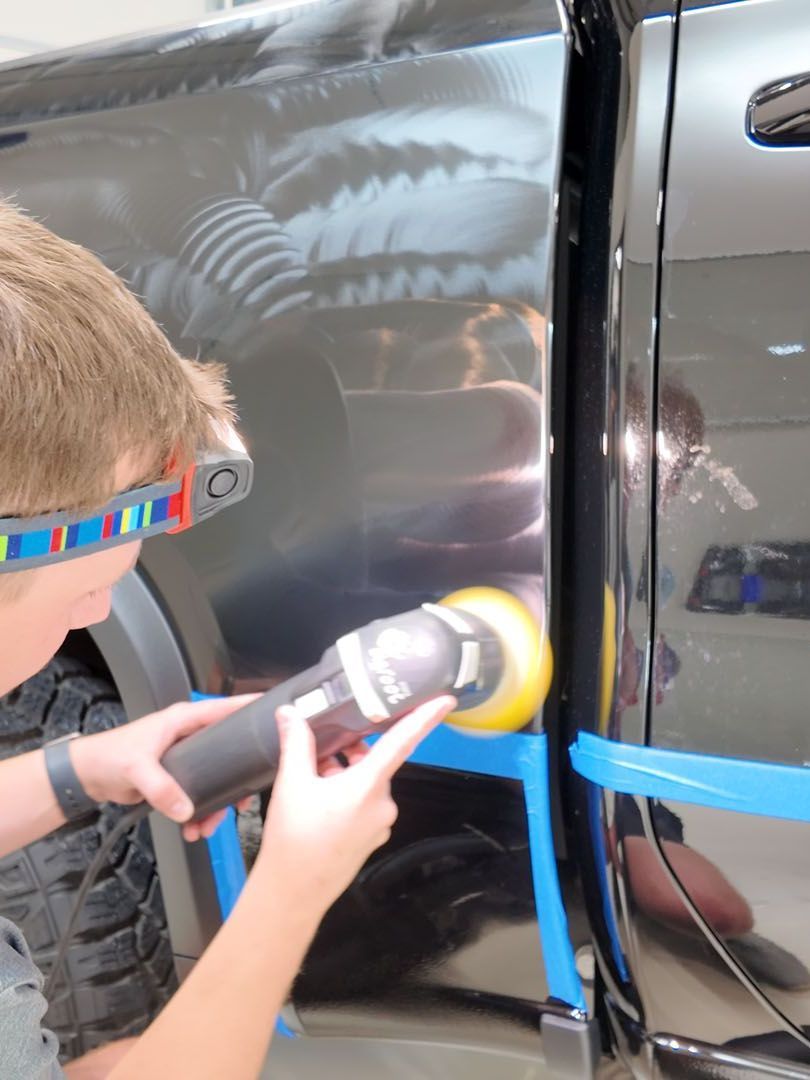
point(480, 645)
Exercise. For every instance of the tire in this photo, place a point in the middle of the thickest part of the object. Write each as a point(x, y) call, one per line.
point(119, 970)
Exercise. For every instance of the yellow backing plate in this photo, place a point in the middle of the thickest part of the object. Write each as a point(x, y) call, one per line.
point(528, 662)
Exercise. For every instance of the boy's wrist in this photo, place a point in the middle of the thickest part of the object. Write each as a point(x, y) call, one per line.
point(82, 755)
point(297, 899)
point(68, 786)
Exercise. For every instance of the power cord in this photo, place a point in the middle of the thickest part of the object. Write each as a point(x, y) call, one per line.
point(132, 817)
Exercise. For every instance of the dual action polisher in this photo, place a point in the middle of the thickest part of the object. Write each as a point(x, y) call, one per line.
point(479, 644)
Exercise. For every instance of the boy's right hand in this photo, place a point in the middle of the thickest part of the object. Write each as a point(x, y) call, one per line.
point(324, 822)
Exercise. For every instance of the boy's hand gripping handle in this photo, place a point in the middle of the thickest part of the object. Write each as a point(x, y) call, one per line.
point(363, 683)
point(227, 761)
point(223, 763)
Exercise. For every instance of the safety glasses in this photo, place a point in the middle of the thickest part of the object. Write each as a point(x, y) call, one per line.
point(216, 480)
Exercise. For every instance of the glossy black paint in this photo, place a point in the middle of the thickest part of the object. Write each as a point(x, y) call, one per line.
point(267, 45)
point(372, 247)
point(611, 478)
point(731, 674)
point(658, 978)
point(439, 930)
point(578, 526)
point(734, 333)
point(255, 236)
point(369, 246)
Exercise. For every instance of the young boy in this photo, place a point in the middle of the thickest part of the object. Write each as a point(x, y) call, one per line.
point(93, 402)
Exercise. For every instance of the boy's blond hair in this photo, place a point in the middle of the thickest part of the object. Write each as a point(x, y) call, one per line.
point(86, 377)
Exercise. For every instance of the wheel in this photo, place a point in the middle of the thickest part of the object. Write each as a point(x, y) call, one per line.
point(119, 970)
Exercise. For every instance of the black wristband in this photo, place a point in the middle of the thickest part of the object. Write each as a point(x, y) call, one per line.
point(72, 798)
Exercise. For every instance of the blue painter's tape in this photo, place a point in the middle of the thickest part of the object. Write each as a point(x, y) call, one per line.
point(520, 757)
point(561, 972)
point(227, 863)
point(282, 1029)
point(513, 757)
point(228, 868)
point(749, 787)
point(509, 756)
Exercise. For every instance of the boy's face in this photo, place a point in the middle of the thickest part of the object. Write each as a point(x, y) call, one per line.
point(65, 596)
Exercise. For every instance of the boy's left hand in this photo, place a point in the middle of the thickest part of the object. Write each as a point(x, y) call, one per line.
point(123, 765)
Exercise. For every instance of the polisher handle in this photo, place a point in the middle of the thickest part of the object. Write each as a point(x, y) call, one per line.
point(236, 757)
point(239, 756)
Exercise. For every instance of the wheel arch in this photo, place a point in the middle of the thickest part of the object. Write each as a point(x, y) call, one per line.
point(153, 665)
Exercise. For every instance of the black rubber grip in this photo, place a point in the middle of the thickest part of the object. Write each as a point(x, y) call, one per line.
point(239, 755)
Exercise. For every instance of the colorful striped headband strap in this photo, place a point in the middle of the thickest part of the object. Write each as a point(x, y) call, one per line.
point(215, 481)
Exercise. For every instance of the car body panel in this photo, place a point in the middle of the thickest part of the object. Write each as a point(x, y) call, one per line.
point(730, 618)
point(659, 977)
point(510, 294)
point(354, 207)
